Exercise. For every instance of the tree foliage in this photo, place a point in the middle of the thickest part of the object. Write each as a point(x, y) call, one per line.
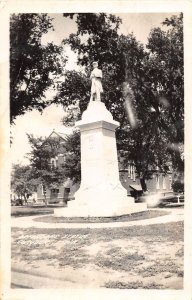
point(34, 67)
point(143, 88)
point(45, 149)
point(72, 165)
point(22, 182)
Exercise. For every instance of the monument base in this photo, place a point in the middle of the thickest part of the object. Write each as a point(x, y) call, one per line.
point(100, 200)
point(86, 212)
point(98, 211)
point(101, 193)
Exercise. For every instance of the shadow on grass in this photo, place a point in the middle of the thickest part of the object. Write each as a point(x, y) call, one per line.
point(25, 211)
point(125, 218)
point(19, 286)
point(173, 231)
point(131, 285)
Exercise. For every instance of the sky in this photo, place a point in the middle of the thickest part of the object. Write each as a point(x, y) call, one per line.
point(42, 124)
point(138, 23)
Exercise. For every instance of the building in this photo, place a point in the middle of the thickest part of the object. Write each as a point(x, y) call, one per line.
point(65, 191)
point(158, 181)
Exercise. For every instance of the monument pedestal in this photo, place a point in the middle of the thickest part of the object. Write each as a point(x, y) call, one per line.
point(100, 193)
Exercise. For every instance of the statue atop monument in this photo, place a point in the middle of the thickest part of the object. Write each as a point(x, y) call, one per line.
point(96, 86)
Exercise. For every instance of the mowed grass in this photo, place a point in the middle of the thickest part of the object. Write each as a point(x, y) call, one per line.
point(128, 257)
point(24, 211)
point(125, 218)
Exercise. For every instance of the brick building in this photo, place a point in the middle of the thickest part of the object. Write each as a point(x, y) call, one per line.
point(159, 182)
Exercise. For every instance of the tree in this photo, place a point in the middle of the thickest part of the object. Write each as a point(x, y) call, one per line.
point(72, 165)
point(178, 185)
point(143, 89)
point(167, 52)
point(33, 67)
point(40, 161)
point(22, 182)
point(45, 149)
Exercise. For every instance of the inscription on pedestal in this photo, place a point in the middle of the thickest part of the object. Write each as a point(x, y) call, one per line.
point(89, 141)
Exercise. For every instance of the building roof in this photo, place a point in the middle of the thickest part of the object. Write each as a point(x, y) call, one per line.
point(62, 135)
point(58, 134)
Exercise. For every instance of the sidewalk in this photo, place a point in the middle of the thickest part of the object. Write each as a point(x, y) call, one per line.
point(176, 214)
point(24, 280)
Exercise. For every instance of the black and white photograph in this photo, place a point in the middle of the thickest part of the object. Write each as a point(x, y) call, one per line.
point(97, 185)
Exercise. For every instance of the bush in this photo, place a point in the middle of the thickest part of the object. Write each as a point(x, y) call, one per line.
point(178, 186)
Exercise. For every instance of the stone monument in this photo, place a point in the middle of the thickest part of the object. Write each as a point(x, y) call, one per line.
point(100, 192)
point(96, 86)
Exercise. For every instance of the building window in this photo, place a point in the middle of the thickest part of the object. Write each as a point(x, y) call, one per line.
point(163, 182)
point(131, 171)
point(43, 189)
point(53, 163)
point(66, 192)
point(55, 191)
point(56, 161)
point(134, 173)
point(157, 182)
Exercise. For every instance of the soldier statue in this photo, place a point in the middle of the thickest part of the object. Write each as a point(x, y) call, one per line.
point(96, 86)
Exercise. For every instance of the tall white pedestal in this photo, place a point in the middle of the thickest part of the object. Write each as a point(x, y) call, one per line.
point(100, 192)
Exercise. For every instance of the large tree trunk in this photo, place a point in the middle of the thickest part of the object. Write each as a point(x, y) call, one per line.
point(143, 184)
point(25, 199)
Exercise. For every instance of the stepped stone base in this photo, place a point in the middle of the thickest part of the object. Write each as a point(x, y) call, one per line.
point(101, 200)
point(85, 211)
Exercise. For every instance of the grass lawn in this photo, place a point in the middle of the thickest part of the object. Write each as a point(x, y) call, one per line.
point(24, 211)
point(125, 218)
point(148, 257)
